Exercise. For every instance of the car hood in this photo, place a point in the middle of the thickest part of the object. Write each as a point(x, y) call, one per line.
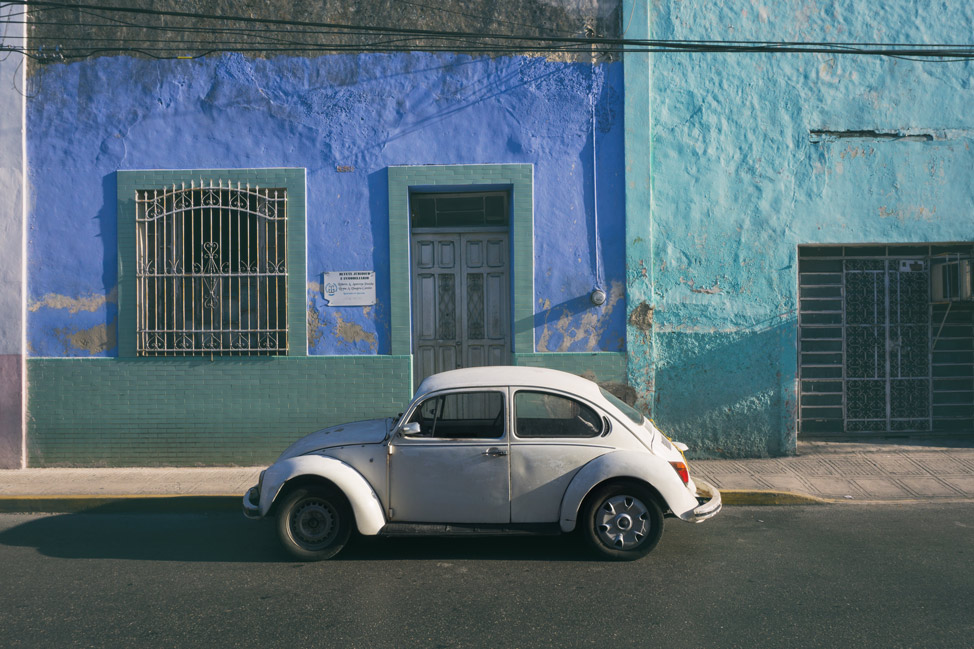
point(372, 431)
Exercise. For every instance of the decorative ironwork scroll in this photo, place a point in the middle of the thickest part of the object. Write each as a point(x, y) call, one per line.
point(211, 270)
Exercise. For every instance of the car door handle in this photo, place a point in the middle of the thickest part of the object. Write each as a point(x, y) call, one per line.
point(493, 451)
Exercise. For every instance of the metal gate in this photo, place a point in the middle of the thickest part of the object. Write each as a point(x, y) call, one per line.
point(460, 301)
point(876, 357)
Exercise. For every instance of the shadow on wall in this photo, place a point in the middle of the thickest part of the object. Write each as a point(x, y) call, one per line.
point(379, 211)
point(83, 322)
point(576, 325)
point(728, 393)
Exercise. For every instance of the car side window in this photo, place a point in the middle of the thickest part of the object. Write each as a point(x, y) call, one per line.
point(541, 414)
point(461, 415)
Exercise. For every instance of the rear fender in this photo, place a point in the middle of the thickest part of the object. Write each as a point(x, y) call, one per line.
point(644, 467)
point(365, 504)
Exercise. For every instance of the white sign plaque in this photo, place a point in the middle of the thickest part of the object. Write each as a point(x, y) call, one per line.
point(349, 288)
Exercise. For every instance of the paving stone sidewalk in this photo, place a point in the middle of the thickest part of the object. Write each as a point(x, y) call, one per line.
point(831, 471)
point(854, 472)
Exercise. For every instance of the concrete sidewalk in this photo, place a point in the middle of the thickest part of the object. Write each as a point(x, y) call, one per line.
point(821, 473)
point(940, 470)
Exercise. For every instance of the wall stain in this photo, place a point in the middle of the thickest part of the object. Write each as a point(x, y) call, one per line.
point(95, 340)
point(314, 327)
point(908, 212)
point(589, 328)
point(351, 333)
point(642, 317)
point(713, 290)
point(91, 302)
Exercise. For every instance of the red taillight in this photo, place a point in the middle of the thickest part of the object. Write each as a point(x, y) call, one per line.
point(681, 470)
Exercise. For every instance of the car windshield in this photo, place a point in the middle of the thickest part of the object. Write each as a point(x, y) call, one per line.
point(627, 410)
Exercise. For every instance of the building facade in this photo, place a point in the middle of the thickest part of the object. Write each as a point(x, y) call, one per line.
point(189, 221)
point(206, 257)
point(796, 259)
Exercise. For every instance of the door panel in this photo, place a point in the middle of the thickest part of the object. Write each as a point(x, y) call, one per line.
point(433, 481)
point(457, 470)
point(461, 298)
point(486, 300)
point(424, 316)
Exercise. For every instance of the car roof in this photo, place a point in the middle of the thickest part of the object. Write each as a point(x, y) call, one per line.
point(503, 375)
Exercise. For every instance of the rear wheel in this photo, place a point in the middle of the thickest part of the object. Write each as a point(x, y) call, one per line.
point(622, 521)
point(314, 523)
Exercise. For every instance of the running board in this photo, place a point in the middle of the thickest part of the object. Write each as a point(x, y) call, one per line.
point(469, 529)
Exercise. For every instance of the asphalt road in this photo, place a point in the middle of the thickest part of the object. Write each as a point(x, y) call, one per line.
point(832, 576)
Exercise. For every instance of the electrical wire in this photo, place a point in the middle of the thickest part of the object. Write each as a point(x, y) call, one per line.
point(282, 36)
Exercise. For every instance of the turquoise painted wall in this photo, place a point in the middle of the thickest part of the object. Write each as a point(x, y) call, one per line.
point(197, 411)
point(741, 176)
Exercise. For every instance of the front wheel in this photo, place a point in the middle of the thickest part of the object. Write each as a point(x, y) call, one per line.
point(622, 521)
point(314, 523)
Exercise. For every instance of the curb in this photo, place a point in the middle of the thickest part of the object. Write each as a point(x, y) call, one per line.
point(759, 497)
point(121, 504)
point(190, 504)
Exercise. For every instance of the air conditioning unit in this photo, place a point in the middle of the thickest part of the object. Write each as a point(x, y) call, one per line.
point(950, 279)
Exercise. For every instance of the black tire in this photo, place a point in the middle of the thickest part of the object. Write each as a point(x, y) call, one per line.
point(314, 523)
point(621, 521)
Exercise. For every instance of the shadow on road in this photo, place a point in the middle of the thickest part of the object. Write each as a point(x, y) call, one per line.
point(231, 538)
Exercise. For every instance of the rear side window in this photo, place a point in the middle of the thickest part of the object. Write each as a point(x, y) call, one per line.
point(541, 414)
point(625, 408)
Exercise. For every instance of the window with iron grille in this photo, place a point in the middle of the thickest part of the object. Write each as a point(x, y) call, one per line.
point(211, 270)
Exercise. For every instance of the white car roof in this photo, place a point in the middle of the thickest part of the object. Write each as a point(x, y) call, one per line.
point(504, 375)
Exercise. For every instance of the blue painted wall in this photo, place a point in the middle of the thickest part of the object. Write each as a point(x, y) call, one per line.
point(88, 119)
point(740, 180)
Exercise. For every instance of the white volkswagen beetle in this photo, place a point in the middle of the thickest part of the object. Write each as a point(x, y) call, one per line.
point(486, 450)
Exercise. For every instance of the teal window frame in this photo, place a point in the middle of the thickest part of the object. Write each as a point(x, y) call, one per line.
point(518, 179)
point(293, 179)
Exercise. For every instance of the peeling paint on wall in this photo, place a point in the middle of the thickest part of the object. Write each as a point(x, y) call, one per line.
point(642, 318)
point(350, 333)
point(314, 326)
point(574, 332)
point(96, 340)
point(91, 302)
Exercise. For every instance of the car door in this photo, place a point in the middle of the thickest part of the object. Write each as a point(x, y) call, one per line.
point(555, 435)
point(457, 468)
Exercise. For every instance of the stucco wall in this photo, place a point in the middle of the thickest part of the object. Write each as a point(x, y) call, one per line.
point(742, 175)
point(345, 119)
point(11, 248)
point(358, 113)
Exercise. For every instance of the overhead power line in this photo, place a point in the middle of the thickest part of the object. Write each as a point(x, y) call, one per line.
point(194, 35)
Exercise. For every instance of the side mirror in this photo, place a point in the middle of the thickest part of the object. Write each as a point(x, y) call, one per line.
point(412, 428)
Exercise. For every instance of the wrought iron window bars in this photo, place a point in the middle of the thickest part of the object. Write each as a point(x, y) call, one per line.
point(211, 270)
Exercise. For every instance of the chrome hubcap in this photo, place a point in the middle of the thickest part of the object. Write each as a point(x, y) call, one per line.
point(622, 522)
point(314, 522)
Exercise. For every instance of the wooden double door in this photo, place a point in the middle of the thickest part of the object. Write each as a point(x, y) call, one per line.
point(460, 301)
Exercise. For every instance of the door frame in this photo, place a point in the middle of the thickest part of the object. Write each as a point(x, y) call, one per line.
point(518, 180)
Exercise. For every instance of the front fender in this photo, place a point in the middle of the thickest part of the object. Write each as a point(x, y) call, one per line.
point(625, 464)
point(365, 504)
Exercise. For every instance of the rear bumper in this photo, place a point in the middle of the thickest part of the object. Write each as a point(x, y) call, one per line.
point(710, 504)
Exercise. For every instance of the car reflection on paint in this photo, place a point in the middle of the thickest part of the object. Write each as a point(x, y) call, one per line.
point(486, 450)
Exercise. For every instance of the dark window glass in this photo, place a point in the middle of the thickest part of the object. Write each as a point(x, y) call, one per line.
point(540, 414)
point(473, 209)
point(461, 415)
